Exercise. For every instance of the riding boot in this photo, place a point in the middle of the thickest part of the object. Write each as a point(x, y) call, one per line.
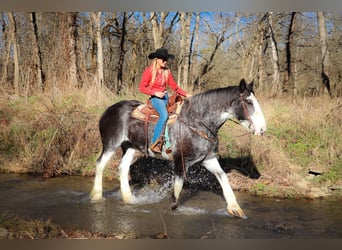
point(157, 146)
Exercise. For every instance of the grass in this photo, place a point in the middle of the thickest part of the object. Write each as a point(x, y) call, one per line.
point(57, 133)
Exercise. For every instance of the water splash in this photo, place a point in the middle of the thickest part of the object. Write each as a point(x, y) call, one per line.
point(151, 194)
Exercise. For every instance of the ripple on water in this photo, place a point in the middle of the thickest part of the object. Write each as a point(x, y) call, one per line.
point(185, 210)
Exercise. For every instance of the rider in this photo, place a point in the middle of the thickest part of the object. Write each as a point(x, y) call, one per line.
point(154, 81)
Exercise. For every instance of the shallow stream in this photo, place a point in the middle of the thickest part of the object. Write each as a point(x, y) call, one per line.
point(65, 201)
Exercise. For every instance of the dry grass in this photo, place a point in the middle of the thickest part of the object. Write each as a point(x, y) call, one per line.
point(14, 227)
point(303, 135)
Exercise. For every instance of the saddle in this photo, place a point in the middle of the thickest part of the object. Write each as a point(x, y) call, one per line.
point(146, 112)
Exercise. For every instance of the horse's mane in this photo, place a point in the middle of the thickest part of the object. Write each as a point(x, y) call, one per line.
point(213, 99)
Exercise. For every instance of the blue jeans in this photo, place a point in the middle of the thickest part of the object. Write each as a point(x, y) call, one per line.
point(159, 105)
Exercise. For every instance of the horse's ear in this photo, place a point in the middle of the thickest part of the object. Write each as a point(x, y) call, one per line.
point(242, 86)
point(251, 85)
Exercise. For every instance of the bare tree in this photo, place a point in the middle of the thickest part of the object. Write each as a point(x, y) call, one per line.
point(37, 55)
point(72, 21)
point(96, 17)
point(275, 56)
point(120, 65)
point(184, 61)
point(13, 39)
point(6, 51)
point(216, 39)
point(324, 50)
point(194, 47)
point(257, 53)
point(158, 24)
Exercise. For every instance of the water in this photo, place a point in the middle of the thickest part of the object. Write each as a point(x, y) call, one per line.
point(201, 214)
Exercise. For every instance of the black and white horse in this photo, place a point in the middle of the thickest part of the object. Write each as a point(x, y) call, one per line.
point(193, 138)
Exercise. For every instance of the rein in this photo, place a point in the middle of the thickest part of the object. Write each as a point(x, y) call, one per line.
point(201, 132)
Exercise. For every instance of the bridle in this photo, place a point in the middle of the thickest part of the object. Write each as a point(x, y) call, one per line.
point(245, 109)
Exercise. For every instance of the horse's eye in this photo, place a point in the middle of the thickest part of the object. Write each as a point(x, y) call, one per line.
point(248, 101)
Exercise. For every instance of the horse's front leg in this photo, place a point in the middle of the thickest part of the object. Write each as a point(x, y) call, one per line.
point(177, 188)
point(233, 207)
point(124, 167)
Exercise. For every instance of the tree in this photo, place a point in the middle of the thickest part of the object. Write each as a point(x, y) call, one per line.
point(194, 47)
point(324, 51)
point(37, 55)
point(6, 33)
point(119, 79)
point(158, 28)
point(290, 73)
point(275, 56)
point(96, 17)
point(13, 41)
point(184, 61)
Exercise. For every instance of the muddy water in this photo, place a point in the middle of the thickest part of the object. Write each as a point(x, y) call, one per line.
point(201, 214)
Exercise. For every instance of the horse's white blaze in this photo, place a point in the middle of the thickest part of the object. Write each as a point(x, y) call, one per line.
point(124, 166)
point(213, 166)
point(257, 117)
point(96, 193)
point(178, 185)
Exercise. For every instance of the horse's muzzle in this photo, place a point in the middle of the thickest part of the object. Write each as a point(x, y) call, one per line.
point(260, 132)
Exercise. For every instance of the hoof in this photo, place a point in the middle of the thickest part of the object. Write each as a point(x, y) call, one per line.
point(236, 212)
point(96, 196)
point(127, 198)
point(173, 203)
point(174, 206)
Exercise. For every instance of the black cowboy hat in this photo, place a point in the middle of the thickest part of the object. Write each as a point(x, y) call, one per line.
point(161, 53)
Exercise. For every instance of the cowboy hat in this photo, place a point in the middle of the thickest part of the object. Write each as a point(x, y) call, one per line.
point(161, 53)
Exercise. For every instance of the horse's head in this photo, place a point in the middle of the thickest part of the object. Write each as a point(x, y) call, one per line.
point(248, 110)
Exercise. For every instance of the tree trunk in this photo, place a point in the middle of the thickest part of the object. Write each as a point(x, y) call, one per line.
point(15, 53)
point(289, 78)
point(275, 56)
point(73, 49)
point(255, 53)
point(194, 54)
point(325, 53)
point(7, 45)
point(96, 17)
point(121, 55)
point(185, 19)
point(37, 56)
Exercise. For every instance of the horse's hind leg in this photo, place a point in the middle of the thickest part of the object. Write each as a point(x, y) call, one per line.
point(96, 192)
point(233, 207)
point(124, 167)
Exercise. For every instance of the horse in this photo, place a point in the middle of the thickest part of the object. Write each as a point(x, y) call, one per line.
point(194, 138)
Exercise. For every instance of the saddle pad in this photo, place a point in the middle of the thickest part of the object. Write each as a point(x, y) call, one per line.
point(138, 114)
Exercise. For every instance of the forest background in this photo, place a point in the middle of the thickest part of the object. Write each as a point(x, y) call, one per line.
point(59, 71)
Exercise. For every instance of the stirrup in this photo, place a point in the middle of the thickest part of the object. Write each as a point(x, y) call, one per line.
point(156, 147)
point(168, 150)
